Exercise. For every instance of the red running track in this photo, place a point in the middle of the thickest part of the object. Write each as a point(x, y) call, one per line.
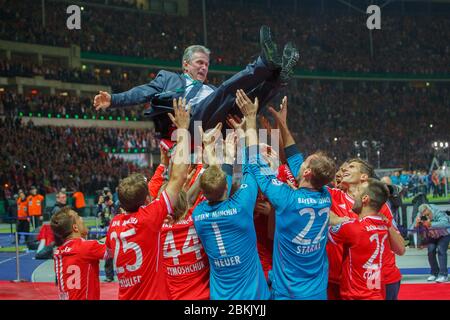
point(108, 291)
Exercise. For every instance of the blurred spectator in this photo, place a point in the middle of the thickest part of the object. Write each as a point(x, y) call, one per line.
point(23, 219)
point(35, 205)
point(61, 202)
point(80, 203)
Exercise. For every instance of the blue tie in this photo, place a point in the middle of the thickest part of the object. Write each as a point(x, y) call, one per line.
point(195, 89)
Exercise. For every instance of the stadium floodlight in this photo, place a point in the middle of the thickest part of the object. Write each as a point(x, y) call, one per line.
point(335, 139)
point(446, 144)
point(435, 144)
point(431, 125)
point(441, 144)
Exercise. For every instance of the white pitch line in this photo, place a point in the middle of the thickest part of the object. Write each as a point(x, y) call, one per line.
point(14, 258)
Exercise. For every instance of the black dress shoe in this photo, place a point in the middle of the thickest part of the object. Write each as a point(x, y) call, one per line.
point(290, 59)
point(269, 49)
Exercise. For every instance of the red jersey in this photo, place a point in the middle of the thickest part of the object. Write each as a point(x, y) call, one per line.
point(77, 269)
point(285, 174)
point(46, 234)
point(156, 181)
point(341, 205)
point(185, 260)
point(364, 242)
point(135, 241)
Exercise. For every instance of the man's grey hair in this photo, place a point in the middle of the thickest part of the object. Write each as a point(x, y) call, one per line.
point(423, 207)
point(189, 52)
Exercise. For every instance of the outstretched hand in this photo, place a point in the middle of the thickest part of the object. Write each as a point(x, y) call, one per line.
point(211, 136)
point(102, 100)
point(182, 114)
point(237, 124)
point(247, 107)
point(281, 115)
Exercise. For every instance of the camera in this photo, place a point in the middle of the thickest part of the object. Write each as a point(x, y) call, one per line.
point(106, 198)
point(423, 218)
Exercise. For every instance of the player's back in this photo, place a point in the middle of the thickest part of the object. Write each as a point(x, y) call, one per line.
point(77, 269)
point(362, 259)
point(228, 235)
point(185, 261)
point(300, 266)
point(135, 242)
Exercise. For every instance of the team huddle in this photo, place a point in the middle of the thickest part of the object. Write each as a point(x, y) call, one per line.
point(188, 232)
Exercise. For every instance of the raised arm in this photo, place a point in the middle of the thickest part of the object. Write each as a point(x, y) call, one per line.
point(209, 140)
point(274, 189)
point(281, 119)
point(396, 241)
point(181, 158)
point(293, 156)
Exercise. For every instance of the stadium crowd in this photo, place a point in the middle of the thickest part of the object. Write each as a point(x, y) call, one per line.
point(55, 157)
point(414, 39)
point(406, 120)
point(12, 104)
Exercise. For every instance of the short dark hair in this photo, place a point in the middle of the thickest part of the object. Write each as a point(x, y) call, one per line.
point(323, 170)
point(378, 193)
point(133, 192)
point(62, 223)
point(364, 165)
point(213, 183)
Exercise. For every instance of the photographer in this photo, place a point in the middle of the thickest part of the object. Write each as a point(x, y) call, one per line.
point(437, 225)
point(106, 211)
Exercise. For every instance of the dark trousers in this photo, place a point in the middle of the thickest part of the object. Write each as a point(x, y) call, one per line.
point(257, 80)
point(109, 269)
point(37, 221)
point(23, 226)
point(440, 245)
point(392, 290)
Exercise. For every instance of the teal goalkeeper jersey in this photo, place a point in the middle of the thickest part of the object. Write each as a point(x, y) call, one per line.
point(227, 232)
point(300, 264)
